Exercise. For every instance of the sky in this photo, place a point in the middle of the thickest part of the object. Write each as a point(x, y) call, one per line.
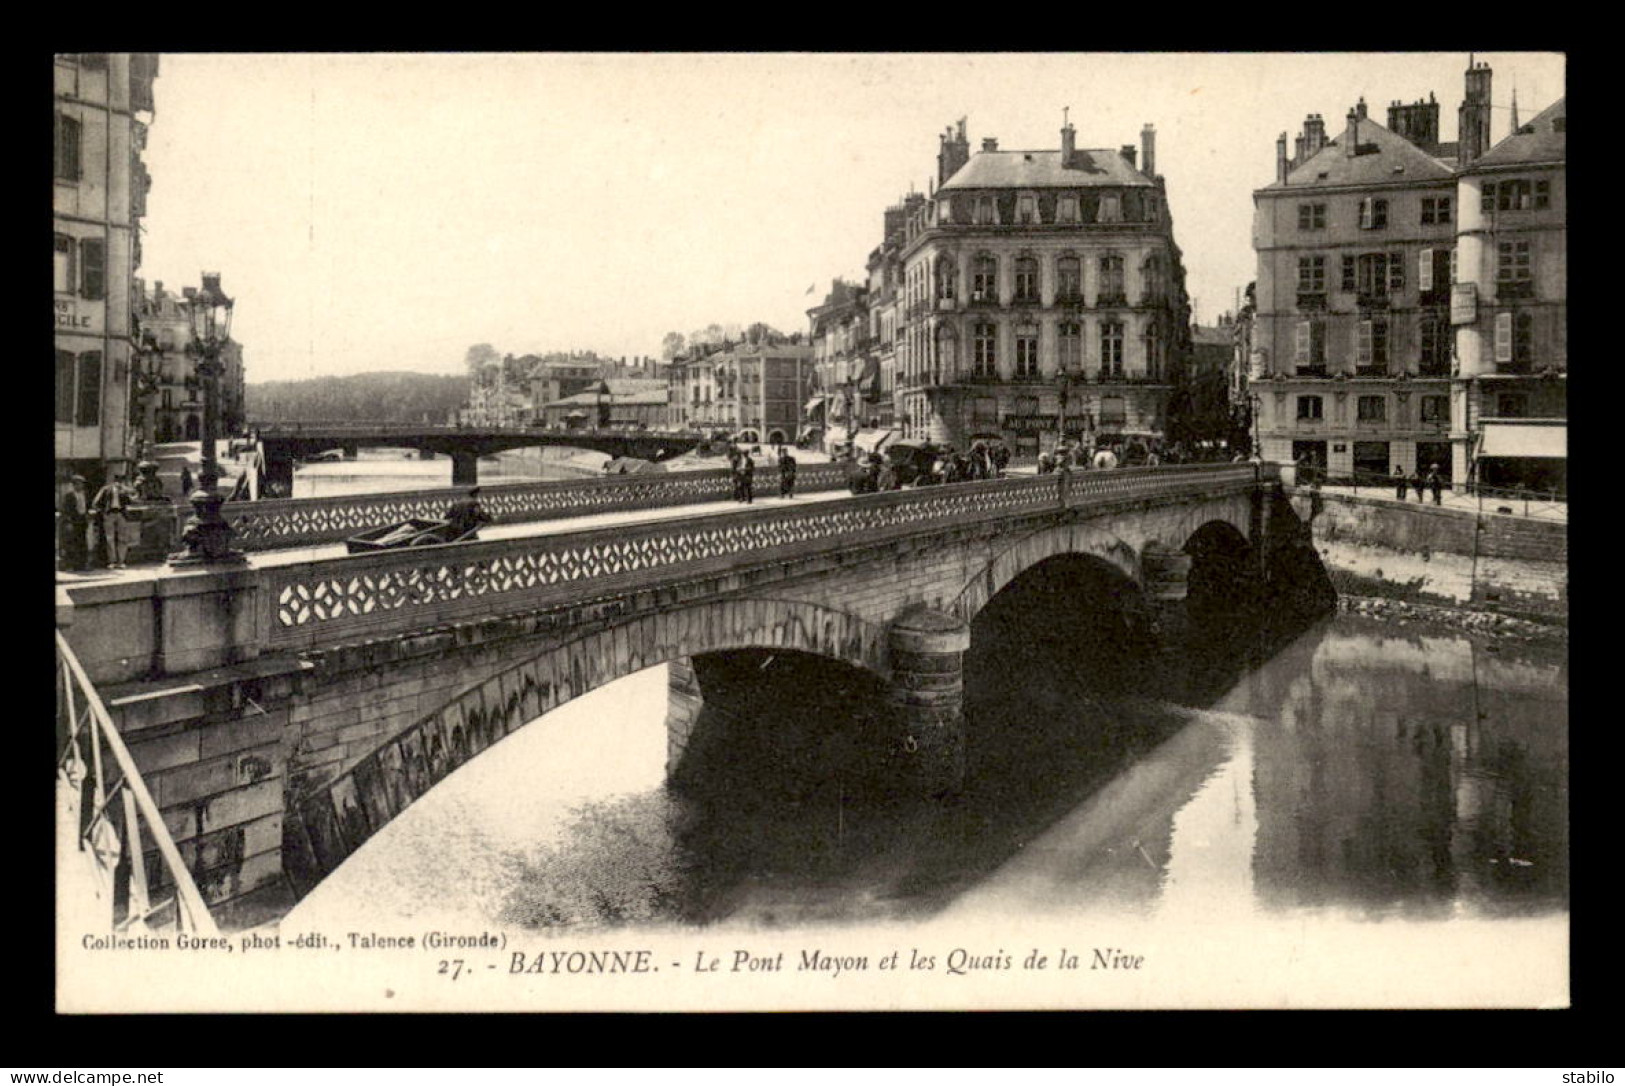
point(388, 211)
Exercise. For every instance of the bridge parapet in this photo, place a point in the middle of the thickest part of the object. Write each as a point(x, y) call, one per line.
point(382, 594)
point(300, 522)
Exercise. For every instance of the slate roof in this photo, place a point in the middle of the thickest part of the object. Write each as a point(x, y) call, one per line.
point(1043, 169)
point(1378, 168)
point(1537, 141)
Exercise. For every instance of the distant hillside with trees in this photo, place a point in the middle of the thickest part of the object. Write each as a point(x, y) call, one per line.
point(361, 397)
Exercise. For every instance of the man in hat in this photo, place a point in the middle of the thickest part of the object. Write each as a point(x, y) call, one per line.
point(1436, 484)
point(466, 515)
point(112, 503)
point(787, 473)
point(74, 526)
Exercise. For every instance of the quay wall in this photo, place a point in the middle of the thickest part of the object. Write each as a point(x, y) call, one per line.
point(1428, 554)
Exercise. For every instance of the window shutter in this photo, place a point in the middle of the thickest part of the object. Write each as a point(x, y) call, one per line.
point(1365, 213)
point(90, 389)
point(1396, 271)
point(1303, 343)
point(1503, 337)
point(1453, 265)
point(1362, 342)
point(93, 268)
point(1424, 271)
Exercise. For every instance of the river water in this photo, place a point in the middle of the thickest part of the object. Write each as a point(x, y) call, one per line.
point(1355, 770)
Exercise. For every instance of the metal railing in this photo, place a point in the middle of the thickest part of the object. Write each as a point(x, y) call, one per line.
point(137, 871)
point(387, 593)
point(303, 522)
point(1515, 501)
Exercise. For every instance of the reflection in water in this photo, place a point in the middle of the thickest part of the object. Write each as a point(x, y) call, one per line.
point(1349, 770)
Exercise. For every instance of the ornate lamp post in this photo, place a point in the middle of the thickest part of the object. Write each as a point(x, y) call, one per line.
point(207, 535)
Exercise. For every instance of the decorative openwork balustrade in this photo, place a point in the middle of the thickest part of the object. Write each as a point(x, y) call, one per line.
point(135, 869)
point(302, 522)
point(388, 593)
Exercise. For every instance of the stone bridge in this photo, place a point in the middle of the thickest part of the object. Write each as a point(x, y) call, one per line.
point(282, 715)
point(283, 442)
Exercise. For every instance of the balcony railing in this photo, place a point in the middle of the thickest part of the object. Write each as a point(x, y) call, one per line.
point(1104, 300)
point(984, 299)
point(1311, 299)
point(136, 880)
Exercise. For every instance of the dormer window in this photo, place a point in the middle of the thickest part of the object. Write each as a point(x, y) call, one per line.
point(945, 210)
point(1373, 214)
point(984, 210)
point(1111, 209)
point(1066, 209)
point(1026, 210)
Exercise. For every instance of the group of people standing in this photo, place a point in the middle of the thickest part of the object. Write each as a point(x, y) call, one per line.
point(101, 529)
point(742, 468)
point(1081, 458)
point(1434, 482)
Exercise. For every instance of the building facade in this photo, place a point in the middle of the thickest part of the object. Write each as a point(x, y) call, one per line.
point(1042, 297)
point(846, 364)
point(103, 104)
point(1410, 297)
point(1509, 403)
point(167, 401)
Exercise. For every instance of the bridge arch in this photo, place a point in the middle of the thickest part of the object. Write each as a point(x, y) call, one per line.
point(1093, 539)
point(327, 826)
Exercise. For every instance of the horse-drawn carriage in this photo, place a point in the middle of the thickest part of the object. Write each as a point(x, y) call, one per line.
point(415, 532)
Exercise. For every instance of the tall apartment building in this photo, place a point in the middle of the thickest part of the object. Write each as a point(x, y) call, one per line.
point(1409, 309)
point(1509, 402)
point(167, 402)
point(773, 380)
point(845, 362)
point(103, 104)
point(1042, 296)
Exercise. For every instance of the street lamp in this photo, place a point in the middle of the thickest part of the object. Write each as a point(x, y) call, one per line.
point(207, 535)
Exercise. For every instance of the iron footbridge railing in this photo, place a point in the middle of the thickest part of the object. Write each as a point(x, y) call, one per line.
point(121, 845)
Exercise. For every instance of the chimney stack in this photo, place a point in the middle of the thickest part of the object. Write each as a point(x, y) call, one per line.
point(1351, 139)
point(989, 143)
point(1314, 134)
point(1148, 145)
point(1473, 127)
point(954, 152)
point(1280, 159)
point(1069, 145)
point(1360, 107)
point(1129, 154)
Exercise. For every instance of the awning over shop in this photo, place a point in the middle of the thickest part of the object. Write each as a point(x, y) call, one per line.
point(873, 440)
point(1525, 439)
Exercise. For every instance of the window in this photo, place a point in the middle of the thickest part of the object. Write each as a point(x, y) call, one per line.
point(1153, 351)
point(1111, 209)
point(89, 412)
point(1350, 280)
point(68, 165)
point(1435, 209)
point(1310, 345)
point(1111, 282)
point(945, 210)
point(1511, 196)
point(1371, 344)
point(984, 353)
point(1311, 407)
point(1027, 351)
point(1070, 338)
point(1026, 210)
point(946, 357)
point(1515, 338)
point(1067, 209)
point(984, 279)
point(1543, 195)
point(62, 264)
point(1375, 274)
point(93, 268)
point(1512, 262)
point(1435, 343)
point(1371, 409)
point(1396, 272)
point(1311, 275)
point(64, 386)
point(1026, 279)
point(1311, 216)
point(1436, 409)
point(1111, 348)
point(1433, 268)
point(984, 210)
point(945, 278)
point(1373, 214)
point(1069, 279)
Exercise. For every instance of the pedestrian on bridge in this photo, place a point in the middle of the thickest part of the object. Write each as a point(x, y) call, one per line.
point(466, 515)
point(747, 478)
point(1436, 484)
point(112, 502)
point(1399, 482)
point(186, 481)
point(74, 526)
point(1416, 483)
point(787, 473)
